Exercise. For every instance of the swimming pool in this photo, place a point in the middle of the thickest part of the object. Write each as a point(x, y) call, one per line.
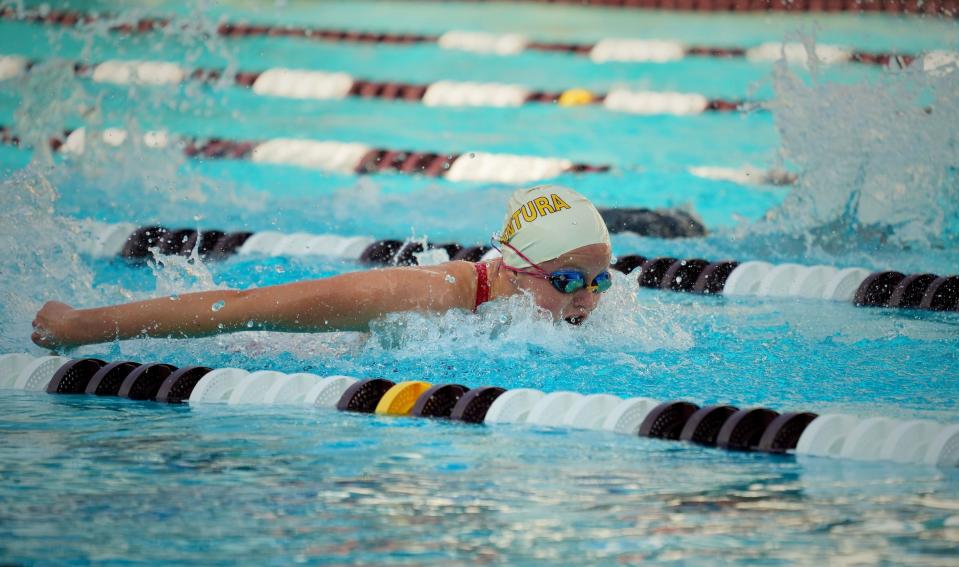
point(107, 480)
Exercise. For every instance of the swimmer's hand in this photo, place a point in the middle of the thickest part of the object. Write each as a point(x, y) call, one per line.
point(52, 325)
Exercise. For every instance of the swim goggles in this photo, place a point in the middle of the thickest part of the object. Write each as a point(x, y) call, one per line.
point(565, 280)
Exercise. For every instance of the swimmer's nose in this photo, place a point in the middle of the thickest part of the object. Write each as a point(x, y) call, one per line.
point(586, 300)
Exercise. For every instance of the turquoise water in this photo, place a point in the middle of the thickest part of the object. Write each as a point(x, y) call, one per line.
point(111, 481)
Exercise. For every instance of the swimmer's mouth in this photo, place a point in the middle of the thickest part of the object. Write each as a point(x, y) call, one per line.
point(576, 319)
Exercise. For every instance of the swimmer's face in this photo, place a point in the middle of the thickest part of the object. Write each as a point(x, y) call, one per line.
point(573, 307)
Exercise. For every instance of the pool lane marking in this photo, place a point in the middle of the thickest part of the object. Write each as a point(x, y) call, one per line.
point(352, 158)
point(619, 50)
point(756, 429)
point(324, 85)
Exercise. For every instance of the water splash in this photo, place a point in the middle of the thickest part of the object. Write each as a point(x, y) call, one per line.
point(878, 158)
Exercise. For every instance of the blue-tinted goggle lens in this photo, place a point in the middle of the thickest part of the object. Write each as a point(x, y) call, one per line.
point(571, 281)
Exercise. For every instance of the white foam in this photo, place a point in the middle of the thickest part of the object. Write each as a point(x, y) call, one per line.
point(12, 66)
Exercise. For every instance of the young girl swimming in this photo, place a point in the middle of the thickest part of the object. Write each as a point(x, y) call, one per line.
point(554, 246)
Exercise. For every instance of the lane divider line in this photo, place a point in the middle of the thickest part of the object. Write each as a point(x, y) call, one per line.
point(756, 429)
point(325, 85)
point(608, 50)
point(350, 158)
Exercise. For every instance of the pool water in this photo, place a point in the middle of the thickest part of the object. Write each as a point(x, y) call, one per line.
point(112, 481)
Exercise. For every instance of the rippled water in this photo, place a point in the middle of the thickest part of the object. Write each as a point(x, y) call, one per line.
point(111, 481)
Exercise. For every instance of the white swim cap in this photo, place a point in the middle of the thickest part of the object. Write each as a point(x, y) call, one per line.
point(546, 221)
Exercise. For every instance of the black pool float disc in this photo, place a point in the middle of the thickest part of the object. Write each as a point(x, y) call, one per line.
point(178, 241)
point(363, 396)
point(876, 289)
point(667, 420)
point(942, 294)
point(743, 430)
point(682, 275)
point(910, 291)
point(452, 248)
point(144, 382)
point(704, 425)
point(137, 246)
point(627, 264)
point(229, 244)
point(652, 271)
point(73, 377)
point(471, 253)
point(474, 404)
point(713, 277)
point(208, 240)
point(381, 252)
point(107, 381)
point(177, 387)
point(783, 433)
point(438, 400)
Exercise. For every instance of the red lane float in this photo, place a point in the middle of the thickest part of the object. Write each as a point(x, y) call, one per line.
point(724, 427)
point(626, 50)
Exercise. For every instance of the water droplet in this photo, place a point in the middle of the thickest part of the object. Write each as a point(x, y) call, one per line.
point(450, 279)
point(249, 324)
point(220, 326)
point(279, 269)
point(218, 305)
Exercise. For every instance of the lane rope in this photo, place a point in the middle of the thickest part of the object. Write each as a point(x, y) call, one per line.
point(608, 50)
point(723, 427)
point(761, 279)
point(326, 85)
point(352, 158)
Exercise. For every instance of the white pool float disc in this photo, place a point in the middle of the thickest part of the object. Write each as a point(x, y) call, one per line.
point(328, 391)
point(292, 389)
point(217, 386)
point(37, 374)
point(825, 435)
point(812, 282)
point(590, 411)
point(843, 285)
point(296, 244)
point(745, 278)
point(11, 365)
point(778, 281)
point(909, 441)
point(628, 415)
point(261, 243)
point(353, 247)
point(944, 448)
point(513, 406)
point(109, 240)
point(864, 442)
point(551, 409)
point(252, 389)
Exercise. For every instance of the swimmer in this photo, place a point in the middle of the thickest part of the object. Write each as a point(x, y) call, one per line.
point(554, 246)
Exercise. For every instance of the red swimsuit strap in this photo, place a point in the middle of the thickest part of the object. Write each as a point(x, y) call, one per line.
point(482, 284)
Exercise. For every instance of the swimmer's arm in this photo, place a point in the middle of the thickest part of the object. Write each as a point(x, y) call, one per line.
point(342, 303)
